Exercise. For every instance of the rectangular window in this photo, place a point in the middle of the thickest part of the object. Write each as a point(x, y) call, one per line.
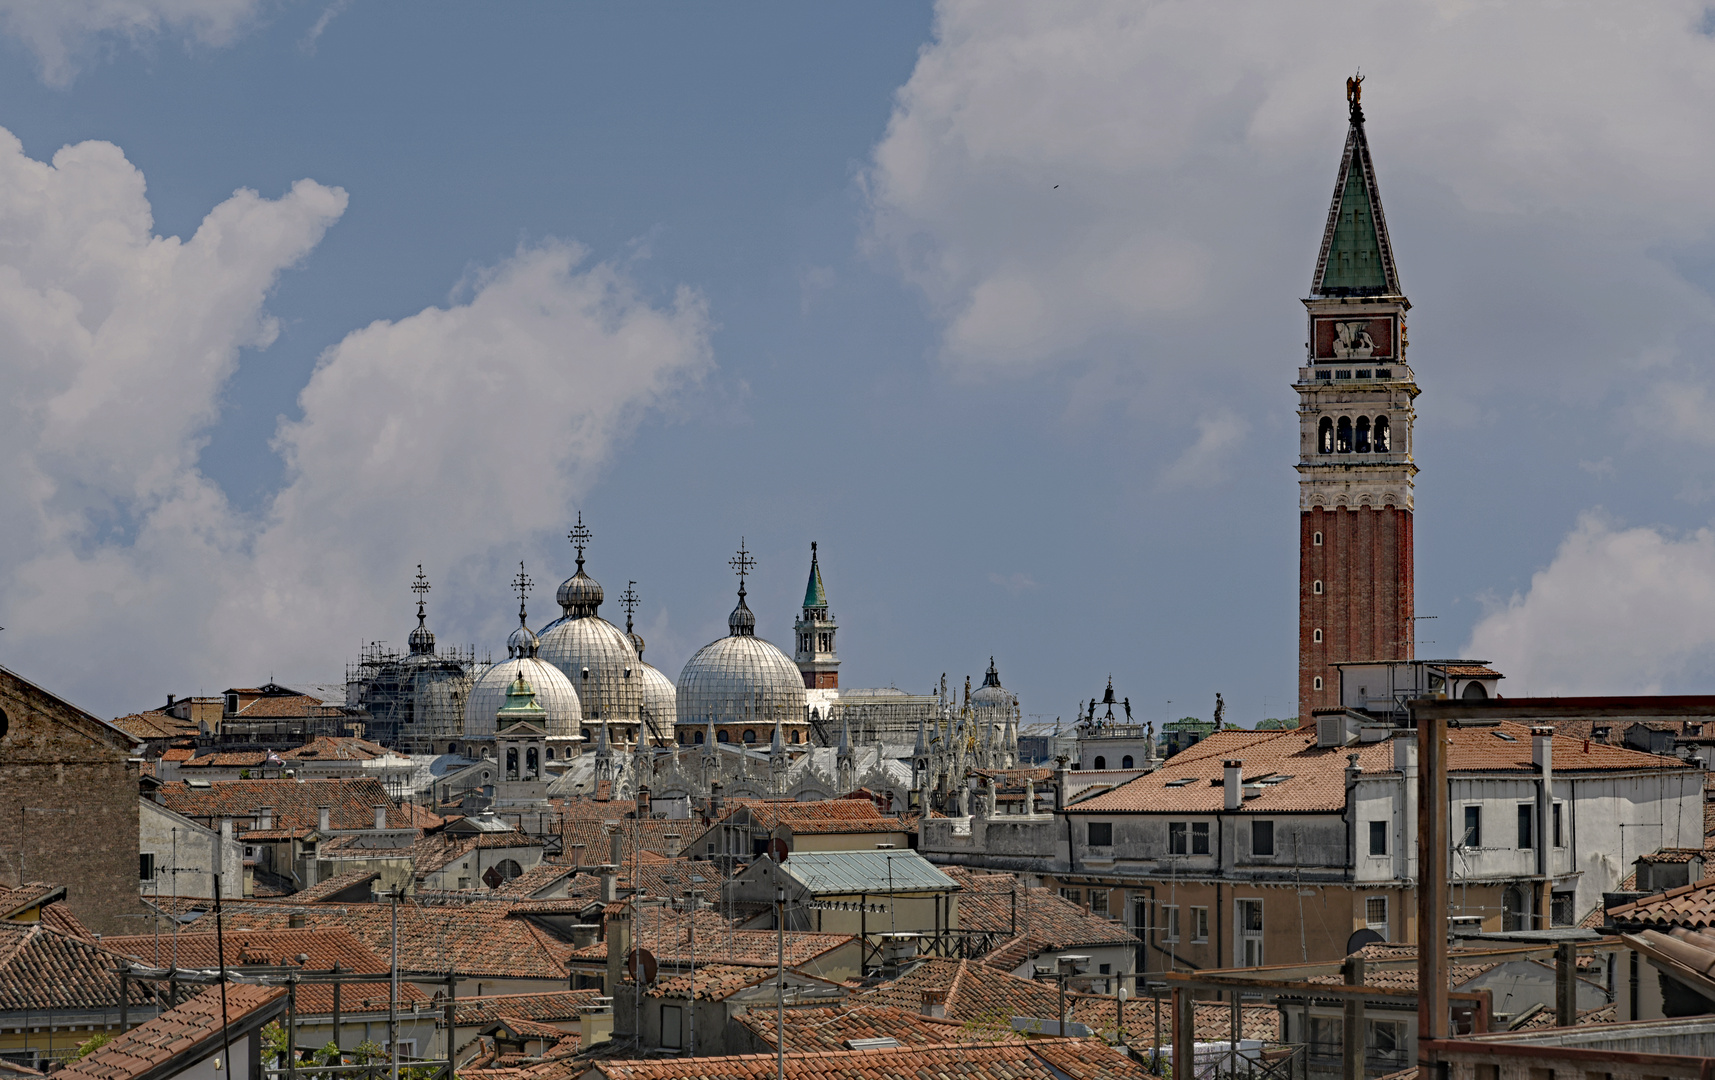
point(1327, 1036)
point(1098, 901)
point(1558, 841)
point(1375, 914)
point(1199, 838)
point(1170, 922)
point(1176, 838)
point(1101, 834)
point(1472, 837)
point(1560, 909)
point(146, 866)
point(1385, 1041)
point(1526, 825)
point(1199, 924)
point(1378, 837)
point(1074, 895)
point(1262, 838)
point(671, 1036)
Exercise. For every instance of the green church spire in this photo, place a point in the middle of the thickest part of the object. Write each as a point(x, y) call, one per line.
point(814, 595)
point(1356, 258)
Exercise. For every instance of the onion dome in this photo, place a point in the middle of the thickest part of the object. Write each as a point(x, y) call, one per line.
point(422, 639)
point(740, 678)
point(552, 691)
point(594, 654)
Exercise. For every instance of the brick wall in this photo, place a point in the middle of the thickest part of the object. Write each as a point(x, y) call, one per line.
point(1364, 610)
point(55, 757)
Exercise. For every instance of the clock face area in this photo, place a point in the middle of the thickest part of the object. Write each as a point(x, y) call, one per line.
point(1360, 337)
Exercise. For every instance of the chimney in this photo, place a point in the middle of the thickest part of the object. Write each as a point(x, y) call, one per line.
point(295, 921)
point(1231, 772)
point(265, 817)
point(935, 1003)
point(578, 856)
point(170, 699)
point(715, 801)
point(672, 840)
point(615, 847)
point(609, 884)
point(226, 830)
point(644, 805)
point(324, 814)
point(618, 933)
point(1542, 748)
point(381, 816)
point(1353, 770)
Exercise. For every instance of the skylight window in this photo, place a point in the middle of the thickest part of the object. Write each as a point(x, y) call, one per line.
point(1182, 781)
point(1504, 735)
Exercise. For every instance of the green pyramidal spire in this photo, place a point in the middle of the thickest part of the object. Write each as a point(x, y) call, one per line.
point(1356, 258)
point(814, 595)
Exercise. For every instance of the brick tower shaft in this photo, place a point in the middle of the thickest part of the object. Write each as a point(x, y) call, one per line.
point(1356, 411)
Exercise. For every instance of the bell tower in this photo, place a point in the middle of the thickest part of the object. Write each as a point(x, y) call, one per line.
point(815, 628)
point(1355, 414)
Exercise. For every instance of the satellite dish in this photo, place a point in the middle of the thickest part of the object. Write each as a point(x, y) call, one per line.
point(777, 850)
point(1361, 938)
point(641, 959)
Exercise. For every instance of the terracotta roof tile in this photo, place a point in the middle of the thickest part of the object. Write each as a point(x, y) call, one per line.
point(195, 1023)
point(1689, 905)
point(294, 801)
point(1035, 918)
point(1313, 778)
point(42, 968)
point(331, 748)
point(476, 939)
point(829, 1028)
point(274, 948)
point(1047, 1059)
point(547, 1007)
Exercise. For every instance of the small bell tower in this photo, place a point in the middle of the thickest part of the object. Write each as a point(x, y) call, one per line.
point(1355, 416)
point(815, 629)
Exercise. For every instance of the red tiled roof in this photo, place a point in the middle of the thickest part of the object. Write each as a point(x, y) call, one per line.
point(1037, 918)
point(294, 802)
point(58, 916)
point(195, 1023)
point(179, 753)
point(285, 705)
point(829, 1028)
point(712, 982)
point(333, 886)
point(1688, 905)
point(667, 935)
point(1315, 776)
point(274, 948)
point(42, 968)
point(528, 1029)
point(563, 1006)
point(28, 895)
point(435, 851)
point(1046, 1059)
point(476, 939)
point(155, 725)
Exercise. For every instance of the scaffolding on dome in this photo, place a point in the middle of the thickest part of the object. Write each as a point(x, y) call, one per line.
point(415, 701)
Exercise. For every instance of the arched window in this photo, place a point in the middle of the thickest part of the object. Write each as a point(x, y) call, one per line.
point(531, 765)
point(550, 753)
point(1474, 691)
point(794, 736)
point(1512, 910)
point(1380, 437)
point(586, 734)
point(1325, 436)
point(452, 748)
point(720, 736)
point(699, 738)
point(1316, 635)
point(1101, 762)
point(1362, 442)
point(1316, 683)
point(749, 735)
point(1343, 435)
point(1125, 762)
point(511, 761)
point(508, 869)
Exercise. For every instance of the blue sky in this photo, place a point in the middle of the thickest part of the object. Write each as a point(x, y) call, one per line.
point(801, 273)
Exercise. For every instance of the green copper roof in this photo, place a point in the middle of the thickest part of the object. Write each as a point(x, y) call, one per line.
point(520, 703)
point(814, 595)
point(1356, 258)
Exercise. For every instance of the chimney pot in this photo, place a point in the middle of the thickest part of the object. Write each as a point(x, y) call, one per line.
point(381, 816)
point(672, 840)
point(1232, 771)
point(324, 819)
point(265, 817)
point(1542, 747)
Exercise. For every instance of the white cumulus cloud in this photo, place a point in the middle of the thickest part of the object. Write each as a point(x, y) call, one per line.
point(457, 436)
point(60, 33)
point(1618, 610)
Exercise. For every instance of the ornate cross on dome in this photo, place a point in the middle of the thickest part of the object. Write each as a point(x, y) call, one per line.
point(628, 601)
point(580, 538)
point(742, 564)
point(420, 586)
point(522, 586)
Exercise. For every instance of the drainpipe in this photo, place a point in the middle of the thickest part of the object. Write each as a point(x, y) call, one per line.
point(1353, 772)
point(1542, 756)
point(1405, 763)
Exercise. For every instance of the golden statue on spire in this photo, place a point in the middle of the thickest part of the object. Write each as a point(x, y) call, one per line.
point(1354, 89)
